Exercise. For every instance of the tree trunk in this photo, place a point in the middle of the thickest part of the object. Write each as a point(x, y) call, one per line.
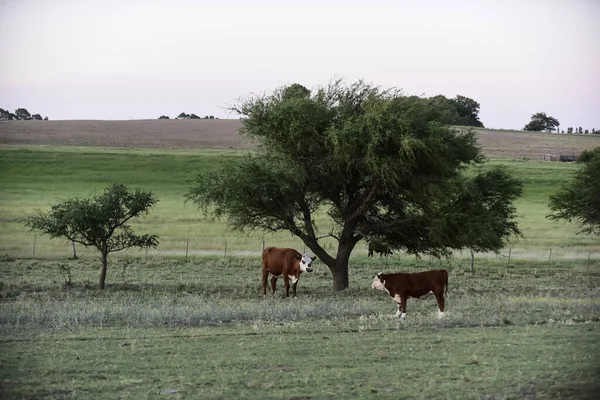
point(340, 276)
point(103, 269)
point(340, 270)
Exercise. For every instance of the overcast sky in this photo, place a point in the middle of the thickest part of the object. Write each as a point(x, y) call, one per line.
point(123, 59)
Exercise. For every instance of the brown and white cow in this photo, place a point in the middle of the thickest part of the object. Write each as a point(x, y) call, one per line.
point(421, 285)
point(284, 262)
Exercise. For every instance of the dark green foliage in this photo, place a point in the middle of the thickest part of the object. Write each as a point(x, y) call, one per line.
point(163, 117)
point(587, 155)
point(486, 202)
point(579, 200)
point(22, 114)
point(542, 122)
point(295, 90)
point(19, 114)
point(384, 165)
point(460, 111)
point(468, 111)
point(101, 222)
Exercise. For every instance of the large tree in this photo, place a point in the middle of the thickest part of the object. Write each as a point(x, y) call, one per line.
point(378, 163)
point(468, 111)
point(579, 199)
point(541, 122)
point(101, 222)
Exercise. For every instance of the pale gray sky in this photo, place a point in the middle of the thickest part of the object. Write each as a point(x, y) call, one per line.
point(122, 59)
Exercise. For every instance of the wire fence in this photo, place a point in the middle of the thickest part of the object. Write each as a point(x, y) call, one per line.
point(42, 247)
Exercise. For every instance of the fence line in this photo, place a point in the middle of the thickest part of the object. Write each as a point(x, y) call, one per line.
point(43, 247)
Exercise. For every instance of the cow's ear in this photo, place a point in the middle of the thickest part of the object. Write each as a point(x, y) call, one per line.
point(313, 258)
point(298, 256)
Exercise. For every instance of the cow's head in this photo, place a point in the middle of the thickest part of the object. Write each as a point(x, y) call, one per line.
point(378, 282)
point(305, 263)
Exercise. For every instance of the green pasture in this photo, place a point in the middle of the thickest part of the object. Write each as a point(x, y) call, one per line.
point(166, 328)
point(171, 327)
point(35, 177)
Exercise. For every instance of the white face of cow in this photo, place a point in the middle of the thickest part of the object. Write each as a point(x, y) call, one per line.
point(305, 263)
point(378, 284)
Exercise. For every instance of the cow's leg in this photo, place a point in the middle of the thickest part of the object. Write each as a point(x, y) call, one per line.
point(264, 281)
point(439, 296)
point(294, 288)
point(286, 282)
point(273, 284)
point(401, 301)
point(402, 307)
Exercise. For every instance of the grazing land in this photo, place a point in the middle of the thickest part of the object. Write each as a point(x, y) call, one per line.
point(201, 329)
point(34, 177)
point(223, 134)
point(170, 326)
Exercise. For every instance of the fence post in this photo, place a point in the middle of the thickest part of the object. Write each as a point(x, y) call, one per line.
point(472, 260)
point(187, 246)
point(74, 251)
point(225, 248)
point(146, 255)
point(588, 263)
point(34, 239)
point(550, 256)
point(509, 251)
point(263, 249)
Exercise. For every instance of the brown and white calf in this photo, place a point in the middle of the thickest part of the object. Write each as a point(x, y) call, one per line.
point(421, 285)
point(288, 263)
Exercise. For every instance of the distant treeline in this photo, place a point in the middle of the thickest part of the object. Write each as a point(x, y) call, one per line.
point(20, 114)
point(188, 116)
point(594, 131)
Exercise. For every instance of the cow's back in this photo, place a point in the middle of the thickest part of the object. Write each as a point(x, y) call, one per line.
point(276, 259)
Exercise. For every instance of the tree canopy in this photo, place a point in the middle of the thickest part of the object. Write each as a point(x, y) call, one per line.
point(541, 122)
point(101, 222)
point(20, 114)
point(380, 164)
point(579, 199)
point(460, 111)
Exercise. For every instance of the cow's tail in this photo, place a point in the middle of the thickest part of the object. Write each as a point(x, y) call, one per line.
point(446, 280)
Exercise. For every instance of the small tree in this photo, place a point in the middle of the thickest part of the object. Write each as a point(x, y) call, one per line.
point(36, 117)
point(22, 114)
point(570, 130)
point(541, 122)
point(580, 199)
point(183, 116)
point(194, 116)
point(163, 117)
point(5, 115)
point(101, 222)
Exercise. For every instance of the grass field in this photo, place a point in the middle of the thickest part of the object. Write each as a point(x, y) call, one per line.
point(201, 329)
point(35, 177)
point(167, 327)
